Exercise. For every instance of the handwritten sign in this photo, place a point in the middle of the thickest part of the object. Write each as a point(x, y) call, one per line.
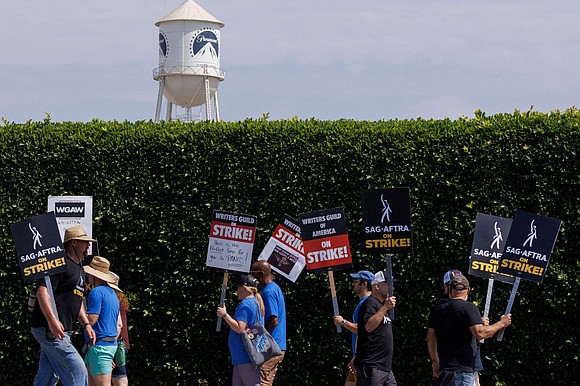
point(231, 241)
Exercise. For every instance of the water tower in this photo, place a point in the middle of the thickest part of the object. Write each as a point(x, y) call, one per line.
point(189, 60)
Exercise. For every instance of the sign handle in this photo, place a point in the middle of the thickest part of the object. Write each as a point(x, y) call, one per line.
point(488, 300)
point(390, 282)
point(333, 294)
point(218, 326)
point(509, 306)
point(51, 295)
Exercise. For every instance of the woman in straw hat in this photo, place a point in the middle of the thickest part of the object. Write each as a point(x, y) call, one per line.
point(103, 312)
point(120, 370)
point(250, 308)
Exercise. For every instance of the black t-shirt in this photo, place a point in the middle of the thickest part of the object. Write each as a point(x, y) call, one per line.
point(456, 345)
point(374, 349)
point(68, 288)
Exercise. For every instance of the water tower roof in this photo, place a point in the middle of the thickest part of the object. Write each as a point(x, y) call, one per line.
point(190, 10)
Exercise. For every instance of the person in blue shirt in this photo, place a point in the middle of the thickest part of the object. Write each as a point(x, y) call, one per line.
point(361, 285)
point(275, 317)
point(103, 313)
point(250, 309)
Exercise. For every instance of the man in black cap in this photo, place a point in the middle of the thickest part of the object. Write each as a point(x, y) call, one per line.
point(453, 329)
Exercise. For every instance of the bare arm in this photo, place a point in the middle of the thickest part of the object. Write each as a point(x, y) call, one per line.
point(88, 324)
point(271, 323)
point(236, 325)
point(375, 320)
point(119, 324)
point(481, 331)
point(350, 326)
point(54, 324)
point(432, 347)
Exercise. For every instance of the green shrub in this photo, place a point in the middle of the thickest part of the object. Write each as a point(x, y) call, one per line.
point(155, 185)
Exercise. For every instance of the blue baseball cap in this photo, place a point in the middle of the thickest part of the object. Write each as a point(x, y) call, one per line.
point(364, 275)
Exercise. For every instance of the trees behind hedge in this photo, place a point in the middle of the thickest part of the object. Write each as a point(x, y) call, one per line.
point(155, 185)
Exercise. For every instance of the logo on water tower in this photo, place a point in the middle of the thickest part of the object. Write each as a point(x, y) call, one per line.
point(163, 45)
point(205, 44)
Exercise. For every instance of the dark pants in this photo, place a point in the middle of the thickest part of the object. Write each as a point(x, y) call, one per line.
point(369, 376)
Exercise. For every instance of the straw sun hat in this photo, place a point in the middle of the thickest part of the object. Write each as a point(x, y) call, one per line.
point(76, 233)
point(115, 283)
point(99, 267)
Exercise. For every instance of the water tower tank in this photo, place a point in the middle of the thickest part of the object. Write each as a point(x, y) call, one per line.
point(189, 55)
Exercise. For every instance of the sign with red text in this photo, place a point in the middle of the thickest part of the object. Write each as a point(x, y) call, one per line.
point(489, 241)
point(325, 239)
point(38, 246)
point(285, 249)
point(529, 246)
point(386, 220)
point(231, 241)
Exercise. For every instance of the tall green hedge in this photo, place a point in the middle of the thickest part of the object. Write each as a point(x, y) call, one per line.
point(155, 186)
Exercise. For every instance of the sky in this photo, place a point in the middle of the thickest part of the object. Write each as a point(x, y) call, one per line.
point(323, 59)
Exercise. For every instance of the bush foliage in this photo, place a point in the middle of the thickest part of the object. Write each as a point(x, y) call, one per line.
point(155, 185)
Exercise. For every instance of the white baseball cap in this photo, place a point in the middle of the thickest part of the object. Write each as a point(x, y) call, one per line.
point(450, 275)
point(379, 278)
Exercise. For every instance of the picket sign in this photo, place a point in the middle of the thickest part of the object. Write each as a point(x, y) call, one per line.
point(222, 302)
point(231, 241)
point(333, 295)
point(488, 301)
point(509, 306)
point(326, 247)
point(390, 282)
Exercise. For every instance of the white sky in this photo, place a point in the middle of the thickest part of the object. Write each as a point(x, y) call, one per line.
point(327, 59)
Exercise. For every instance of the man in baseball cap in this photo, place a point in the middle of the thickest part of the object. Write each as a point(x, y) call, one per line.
point(361, 285)
point(446, 280)
point(375, 336)
point(454, 328)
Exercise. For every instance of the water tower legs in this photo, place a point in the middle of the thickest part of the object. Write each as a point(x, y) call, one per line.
point(217, 106)
point(159, 101)
point(169, 104)
point(169, 111)
point(207, 100)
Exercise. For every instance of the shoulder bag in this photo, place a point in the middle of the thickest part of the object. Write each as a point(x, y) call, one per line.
point(259, 344)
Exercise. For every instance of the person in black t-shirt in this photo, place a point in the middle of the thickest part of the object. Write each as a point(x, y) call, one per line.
point(478, 362)
point(374, 351)
point(453, 329)
point(59, 359)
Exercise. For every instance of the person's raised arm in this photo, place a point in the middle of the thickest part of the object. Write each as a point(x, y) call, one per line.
point(236, 325)
point(481, 331)
point(340, 321)
point(375, 320)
